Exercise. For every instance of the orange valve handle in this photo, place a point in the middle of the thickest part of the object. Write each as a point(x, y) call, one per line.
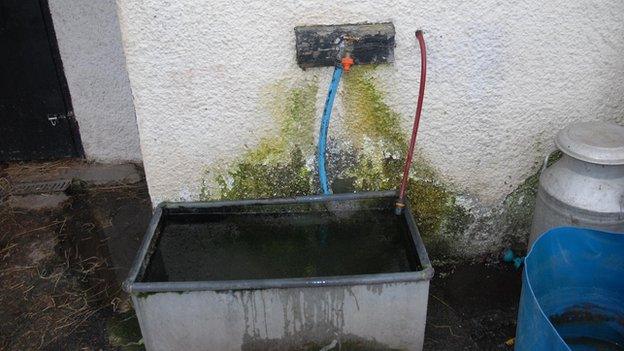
point(347, 62)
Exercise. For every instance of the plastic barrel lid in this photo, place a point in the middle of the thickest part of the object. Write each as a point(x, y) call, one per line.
point(594, 142)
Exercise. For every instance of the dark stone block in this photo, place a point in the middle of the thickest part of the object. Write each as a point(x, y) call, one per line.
point(369, 43)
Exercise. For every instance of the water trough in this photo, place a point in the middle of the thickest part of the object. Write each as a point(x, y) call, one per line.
point(335, 271)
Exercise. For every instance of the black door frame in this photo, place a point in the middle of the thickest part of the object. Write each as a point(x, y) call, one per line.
point(60, 76)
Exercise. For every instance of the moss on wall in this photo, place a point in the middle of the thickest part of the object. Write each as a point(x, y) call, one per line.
point(376, 147)
point(257, 176)
point(294, 111)
point(518, 208)
point(376, 130)
point(277, 167)
point(368, 116)
point(368, 157)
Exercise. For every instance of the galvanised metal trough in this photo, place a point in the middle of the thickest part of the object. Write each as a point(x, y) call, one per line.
point(307, 273)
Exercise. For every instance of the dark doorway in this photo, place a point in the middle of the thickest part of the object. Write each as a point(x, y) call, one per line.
point(36, 117)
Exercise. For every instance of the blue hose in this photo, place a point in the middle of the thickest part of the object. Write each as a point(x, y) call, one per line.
point(322, 143)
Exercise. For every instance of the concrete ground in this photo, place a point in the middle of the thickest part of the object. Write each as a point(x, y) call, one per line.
point(63, 256)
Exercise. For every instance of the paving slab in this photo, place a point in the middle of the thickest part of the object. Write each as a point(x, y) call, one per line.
point(37, 201)
point(89, 172)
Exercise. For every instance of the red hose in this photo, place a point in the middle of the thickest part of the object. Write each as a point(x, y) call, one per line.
point(400, 203)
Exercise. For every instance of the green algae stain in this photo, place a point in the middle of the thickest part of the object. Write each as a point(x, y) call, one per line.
point(518, 208)
point(375, 129)
point(124, 332)
point(277, 167)
point(368, 116)
point(295, 112)
point(375, 152)
point(253, 178)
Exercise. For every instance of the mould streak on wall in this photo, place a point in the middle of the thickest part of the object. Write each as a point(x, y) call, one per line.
point(376, 132)
point(371, 158)
point(518, 208)
point(277, 167)
point(305, 313)
point(368, 116)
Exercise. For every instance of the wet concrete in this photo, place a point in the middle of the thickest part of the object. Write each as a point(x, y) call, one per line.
point(92, 173)
point(37, 201)
point(108, 223)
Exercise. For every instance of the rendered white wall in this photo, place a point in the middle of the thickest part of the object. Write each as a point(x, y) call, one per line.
point(89, 41)
point(504, 77)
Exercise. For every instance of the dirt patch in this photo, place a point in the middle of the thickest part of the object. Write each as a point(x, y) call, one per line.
point(40, 298)
point(93, 173)
point(41, 250)
point(60, 283)
point(473, 306)
point(37, 201)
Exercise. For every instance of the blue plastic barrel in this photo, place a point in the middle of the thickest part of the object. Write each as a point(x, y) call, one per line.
point(573, 292)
